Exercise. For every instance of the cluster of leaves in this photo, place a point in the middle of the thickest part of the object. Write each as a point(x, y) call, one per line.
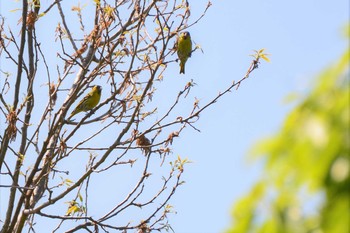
point(305, 184)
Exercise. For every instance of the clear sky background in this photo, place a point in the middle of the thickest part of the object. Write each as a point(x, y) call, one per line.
point(302, 37)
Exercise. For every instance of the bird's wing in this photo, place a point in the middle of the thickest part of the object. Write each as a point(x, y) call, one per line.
point(83, 101)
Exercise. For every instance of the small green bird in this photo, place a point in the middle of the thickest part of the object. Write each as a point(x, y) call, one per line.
point(184, 49)
point(36, 6)
point(88, 102)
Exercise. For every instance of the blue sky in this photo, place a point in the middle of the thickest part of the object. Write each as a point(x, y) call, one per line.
point(302, 38)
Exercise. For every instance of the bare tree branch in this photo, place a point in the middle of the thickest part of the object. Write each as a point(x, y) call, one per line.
point(124, 46)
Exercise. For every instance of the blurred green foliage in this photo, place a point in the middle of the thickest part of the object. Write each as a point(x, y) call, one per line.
point(305, 184)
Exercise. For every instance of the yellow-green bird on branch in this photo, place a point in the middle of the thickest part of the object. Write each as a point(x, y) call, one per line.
point(184, 49)
point(88, 102)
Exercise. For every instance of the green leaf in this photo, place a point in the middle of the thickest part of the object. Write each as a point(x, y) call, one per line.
point(80, 197)
point(264, 56)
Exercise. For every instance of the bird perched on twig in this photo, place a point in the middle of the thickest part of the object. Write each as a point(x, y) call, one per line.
point(36, 4)
point(184, 49)
point(88, 102)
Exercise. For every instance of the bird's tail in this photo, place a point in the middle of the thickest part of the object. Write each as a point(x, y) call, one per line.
point(182, 68)
point(72, 114)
